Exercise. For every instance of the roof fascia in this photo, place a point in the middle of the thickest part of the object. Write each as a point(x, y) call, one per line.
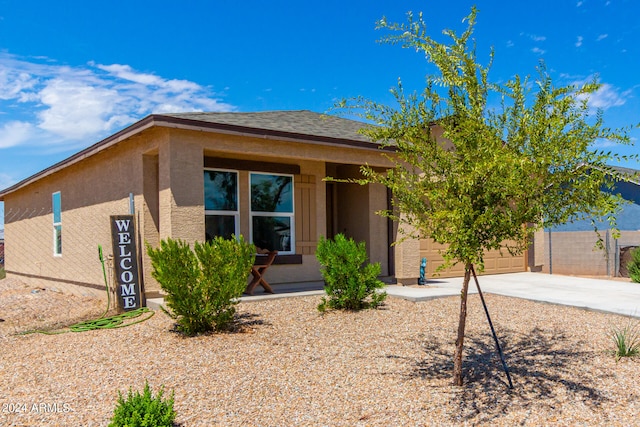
point(110, 141)
point(229, 129)
point(188, 124)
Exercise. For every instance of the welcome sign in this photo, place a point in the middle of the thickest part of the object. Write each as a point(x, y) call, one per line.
point(125, 257)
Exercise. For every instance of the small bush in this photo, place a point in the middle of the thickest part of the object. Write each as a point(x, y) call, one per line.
point(626, 340)
point(349, 283)
point(202, 285)
point(3, 274)
point(634, 265)
point(143, 410)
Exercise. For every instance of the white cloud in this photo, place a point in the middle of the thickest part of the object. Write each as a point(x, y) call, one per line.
point(602, 143)
point(579, 41)
point(534, 37)
point(71, 106)
point(15, 133)
point(5, 182)
point(602, 37)
point(538, 51)
point(125, 72)
point(605, 97)
point(76, 110)
point(14, 84)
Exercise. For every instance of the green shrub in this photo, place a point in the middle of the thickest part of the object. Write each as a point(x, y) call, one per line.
point(349, 283)
point(626, 340)
point(3, 274)
point(634, 265)
point(202, 285)
point(143, 410)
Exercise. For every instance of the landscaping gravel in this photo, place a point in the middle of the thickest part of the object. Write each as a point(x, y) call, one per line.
point(288, 365)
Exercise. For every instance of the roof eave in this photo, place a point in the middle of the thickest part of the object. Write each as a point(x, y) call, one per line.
point(230, 129)
point(183, 123)
point(117, 137)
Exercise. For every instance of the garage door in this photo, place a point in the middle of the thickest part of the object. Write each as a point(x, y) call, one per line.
point(494, 261)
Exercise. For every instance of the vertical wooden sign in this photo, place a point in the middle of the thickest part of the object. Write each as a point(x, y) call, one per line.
point(123, 237)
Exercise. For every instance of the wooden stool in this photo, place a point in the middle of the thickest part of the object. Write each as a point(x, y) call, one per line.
point(258, 270)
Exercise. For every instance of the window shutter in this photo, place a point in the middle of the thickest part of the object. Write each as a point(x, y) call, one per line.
point(305, 211)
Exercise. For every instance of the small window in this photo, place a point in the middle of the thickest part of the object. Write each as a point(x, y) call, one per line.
point(221, 203)
point(56, 207)
point(272, 217)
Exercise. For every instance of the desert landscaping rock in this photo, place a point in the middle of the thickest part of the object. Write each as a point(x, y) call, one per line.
point(287, 365)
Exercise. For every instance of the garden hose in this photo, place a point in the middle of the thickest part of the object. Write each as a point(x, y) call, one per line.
point(111, 322)
point(106, 283)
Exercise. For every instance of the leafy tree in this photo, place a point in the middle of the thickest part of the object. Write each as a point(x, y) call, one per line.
point(474, 177)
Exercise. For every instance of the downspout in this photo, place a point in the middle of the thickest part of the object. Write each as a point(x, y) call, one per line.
point(608, 254)
point(391, 254)
point(550, 254)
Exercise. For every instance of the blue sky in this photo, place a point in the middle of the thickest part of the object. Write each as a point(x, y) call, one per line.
point(74, 72)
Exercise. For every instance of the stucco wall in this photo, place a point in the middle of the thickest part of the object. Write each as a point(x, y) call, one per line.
point(378, 227)
point(163, 168)
point(575, 252)
point(181, 186)
point(407, 256)
point(353, 219)
point(355, 213)
point(90, 191)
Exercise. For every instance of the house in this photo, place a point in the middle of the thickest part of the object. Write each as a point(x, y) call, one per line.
point(191, 176)
point(571, 248)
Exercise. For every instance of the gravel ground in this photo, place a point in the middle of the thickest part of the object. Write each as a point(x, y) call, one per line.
point(287, 365)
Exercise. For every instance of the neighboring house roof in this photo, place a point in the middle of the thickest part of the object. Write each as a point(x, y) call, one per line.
point(632, 174)
point(629, 217)
point(300, 126)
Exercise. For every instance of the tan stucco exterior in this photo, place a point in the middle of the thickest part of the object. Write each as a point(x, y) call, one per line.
point(161, 164)
point(163, 168)
point(91, 190)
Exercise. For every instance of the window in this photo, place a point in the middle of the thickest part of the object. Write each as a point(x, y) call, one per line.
point(56, 207)
point(272, 219)
point(221, 203)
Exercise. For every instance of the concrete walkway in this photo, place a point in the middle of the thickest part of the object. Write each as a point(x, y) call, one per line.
point(594, 294)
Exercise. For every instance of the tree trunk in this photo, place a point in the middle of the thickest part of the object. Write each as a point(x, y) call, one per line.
point(457, 359)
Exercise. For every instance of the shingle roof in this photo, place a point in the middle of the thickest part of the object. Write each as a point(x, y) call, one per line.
point(299, 122)
point(632, 174)
point(302, 125)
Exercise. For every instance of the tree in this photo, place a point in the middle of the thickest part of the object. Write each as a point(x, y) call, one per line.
point(476, 178)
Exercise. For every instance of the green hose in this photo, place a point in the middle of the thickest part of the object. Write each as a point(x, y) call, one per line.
point(112, 322)
point(102, 322)
point(106, 283)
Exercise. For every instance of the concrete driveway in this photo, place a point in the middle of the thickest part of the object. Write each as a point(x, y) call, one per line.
point(595, 294)
point(610, 296)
